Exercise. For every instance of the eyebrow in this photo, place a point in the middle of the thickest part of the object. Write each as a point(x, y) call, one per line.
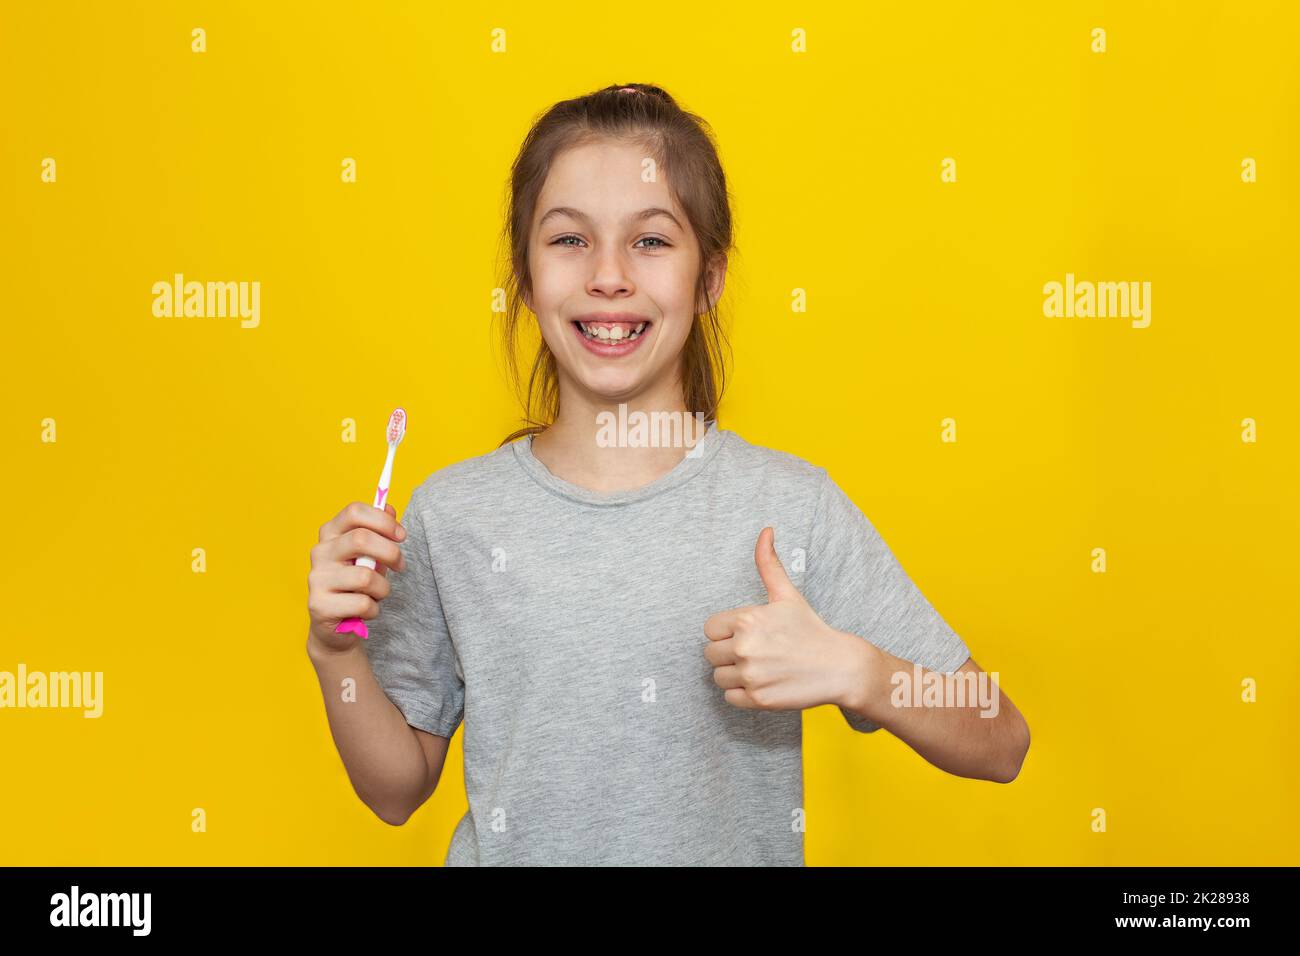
point(648, 213)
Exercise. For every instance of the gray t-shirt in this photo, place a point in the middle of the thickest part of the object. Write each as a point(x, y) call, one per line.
point(566, 628)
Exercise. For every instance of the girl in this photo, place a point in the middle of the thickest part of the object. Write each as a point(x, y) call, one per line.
point(603, 601)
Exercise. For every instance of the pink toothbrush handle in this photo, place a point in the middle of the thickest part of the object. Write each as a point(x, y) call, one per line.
point(354, 624)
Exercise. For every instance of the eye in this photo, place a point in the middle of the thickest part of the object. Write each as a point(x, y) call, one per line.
point(562, 241)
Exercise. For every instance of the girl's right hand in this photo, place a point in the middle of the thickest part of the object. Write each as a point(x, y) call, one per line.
point(339, 588)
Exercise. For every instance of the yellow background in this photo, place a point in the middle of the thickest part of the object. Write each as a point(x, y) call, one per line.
point(924, 303)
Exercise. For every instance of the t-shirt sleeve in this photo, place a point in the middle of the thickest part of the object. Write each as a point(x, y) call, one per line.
point(409, 647)
point(856, 585)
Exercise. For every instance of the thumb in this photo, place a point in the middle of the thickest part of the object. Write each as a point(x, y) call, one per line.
point(778, 584)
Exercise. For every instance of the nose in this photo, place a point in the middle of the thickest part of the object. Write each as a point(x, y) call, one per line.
point(610, 274)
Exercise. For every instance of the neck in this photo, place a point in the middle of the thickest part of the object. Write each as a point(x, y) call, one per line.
point(594, 445)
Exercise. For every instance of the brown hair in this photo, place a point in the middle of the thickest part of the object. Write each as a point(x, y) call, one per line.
point(682, 146)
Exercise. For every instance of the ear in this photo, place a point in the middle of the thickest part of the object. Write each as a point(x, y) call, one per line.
point(715, 281)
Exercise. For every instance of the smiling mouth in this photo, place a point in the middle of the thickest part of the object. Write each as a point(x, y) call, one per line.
point(612, 333)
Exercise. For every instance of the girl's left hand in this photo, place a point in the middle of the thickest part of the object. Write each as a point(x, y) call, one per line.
point(781, 655)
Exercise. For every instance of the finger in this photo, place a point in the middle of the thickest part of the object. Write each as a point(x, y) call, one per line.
point(739, 697)
point(357, 605)
point(348, 579)
point(728, 677)
point(362, 541)
point(356, 578)
point(383, 568)
point(778, 583)
point(720, 653)
point(335, 606)
point(360, 515)
point(724, 624)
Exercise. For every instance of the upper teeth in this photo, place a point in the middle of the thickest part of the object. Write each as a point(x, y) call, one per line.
point(612, 334)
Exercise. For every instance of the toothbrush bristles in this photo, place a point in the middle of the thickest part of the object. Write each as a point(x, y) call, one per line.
point(396, 426)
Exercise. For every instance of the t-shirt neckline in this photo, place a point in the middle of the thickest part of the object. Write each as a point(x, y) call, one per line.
point(692, 464)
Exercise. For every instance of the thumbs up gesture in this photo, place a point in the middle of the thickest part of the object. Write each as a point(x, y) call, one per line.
point(780, 655)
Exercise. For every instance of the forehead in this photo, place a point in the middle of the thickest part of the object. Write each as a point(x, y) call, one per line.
point(604, 180)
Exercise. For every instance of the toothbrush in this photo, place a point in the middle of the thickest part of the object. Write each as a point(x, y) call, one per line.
point(396, 432)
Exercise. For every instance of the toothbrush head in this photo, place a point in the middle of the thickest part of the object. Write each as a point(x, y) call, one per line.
point(396, 426)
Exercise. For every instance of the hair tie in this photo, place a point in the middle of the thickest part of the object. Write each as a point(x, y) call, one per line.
point(629, 89)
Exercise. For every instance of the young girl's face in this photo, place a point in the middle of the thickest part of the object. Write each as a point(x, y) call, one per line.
point(615, 251)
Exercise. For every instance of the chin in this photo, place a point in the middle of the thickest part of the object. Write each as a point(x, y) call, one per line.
point(612, 387)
